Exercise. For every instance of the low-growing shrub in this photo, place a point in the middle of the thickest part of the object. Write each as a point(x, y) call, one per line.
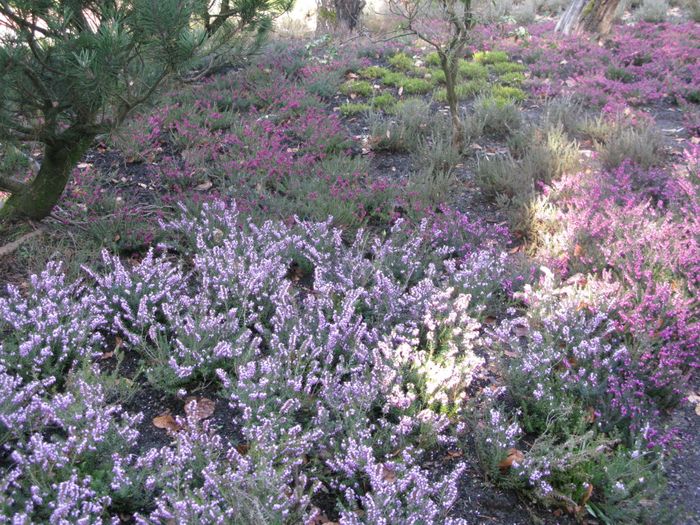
point(511, 79)
point(416, 86)
point(490, 57)
point(642, 145)
point(373, 72)
point(402, 62)
point(357, 87)
point(509, 93)
point(383, 101)
point(620, 74)
point(409, 122)
point(496, 116)
point(473, 70)
point(502, 68)
point(464, 91)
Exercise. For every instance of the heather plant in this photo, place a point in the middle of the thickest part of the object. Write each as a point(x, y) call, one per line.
point(135, 299)
point(402, 130)
point(51, 328)
point(496, 116)
point(577, 388)
point(643, 146)
point(68, 467)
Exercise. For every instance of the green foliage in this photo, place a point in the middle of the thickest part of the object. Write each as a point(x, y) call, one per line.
point(357, 87)
point(354, 108)
point(384, 101)
point(438, 76)
point(416, 86)
point(402, 131)
point(73, 70)
point(490, 57)
point(402, 62)
point(433, 59)
point(642, 145)
point(511, 79)
point(496, 116)
point(373, 72)
point(472, 70)
point(620, 74)
point(463, 91)
point(509, 93)
point(501, 68)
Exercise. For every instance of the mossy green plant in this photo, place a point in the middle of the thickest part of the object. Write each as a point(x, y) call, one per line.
point(438, 76)
point(509, 93)
point(384, 101)
point(392, 78)
point(357, 87)
point(373, 72)
point(490, 57)
point(502, 68)
point(472, 70)
point(402, 62)
point(512, 79)
point(463, 91)
point(432, 59)
point(354, 108)
point(416, 86)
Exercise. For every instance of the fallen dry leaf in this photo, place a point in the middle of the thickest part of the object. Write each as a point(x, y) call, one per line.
point(199, 408)
point(587, 495)
point(166, 422)
point(514, 456)
point(590, 415)
point(204, 186)
point(520, 330)
point(388, 474)
point(695, 399)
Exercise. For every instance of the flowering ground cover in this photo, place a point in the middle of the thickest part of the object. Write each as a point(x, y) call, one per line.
point(279, 296)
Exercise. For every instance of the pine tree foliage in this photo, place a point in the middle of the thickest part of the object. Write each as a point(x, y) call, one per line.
point(72, 69)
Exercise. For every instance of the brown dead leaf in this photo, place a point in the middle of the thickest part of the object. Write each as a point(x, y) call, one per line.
point(388, 474)
point(490, 320)
point(454, 453)
point(514, 456)
point(106, 355)
point(243, 448)
point(520, 330)
point(590, 415)
point(695, 399)
point(578, 250)
point(199, 408)
point(166, 422)
point(587, 495)
point(204, 186)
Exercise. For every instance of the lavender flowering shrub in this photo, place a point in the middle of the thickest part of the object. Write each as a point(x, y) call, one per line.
point(341, 376)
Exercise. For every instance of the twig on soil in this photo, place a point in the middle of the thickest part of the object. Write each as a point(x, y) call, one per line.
point(10, 247)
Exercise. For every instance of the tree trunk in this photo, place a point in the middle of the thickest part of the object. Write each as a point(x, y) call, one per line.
point(348, 13)
point(333, 15)
point(39, 197)
point(449, 67)
point(591, 16)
